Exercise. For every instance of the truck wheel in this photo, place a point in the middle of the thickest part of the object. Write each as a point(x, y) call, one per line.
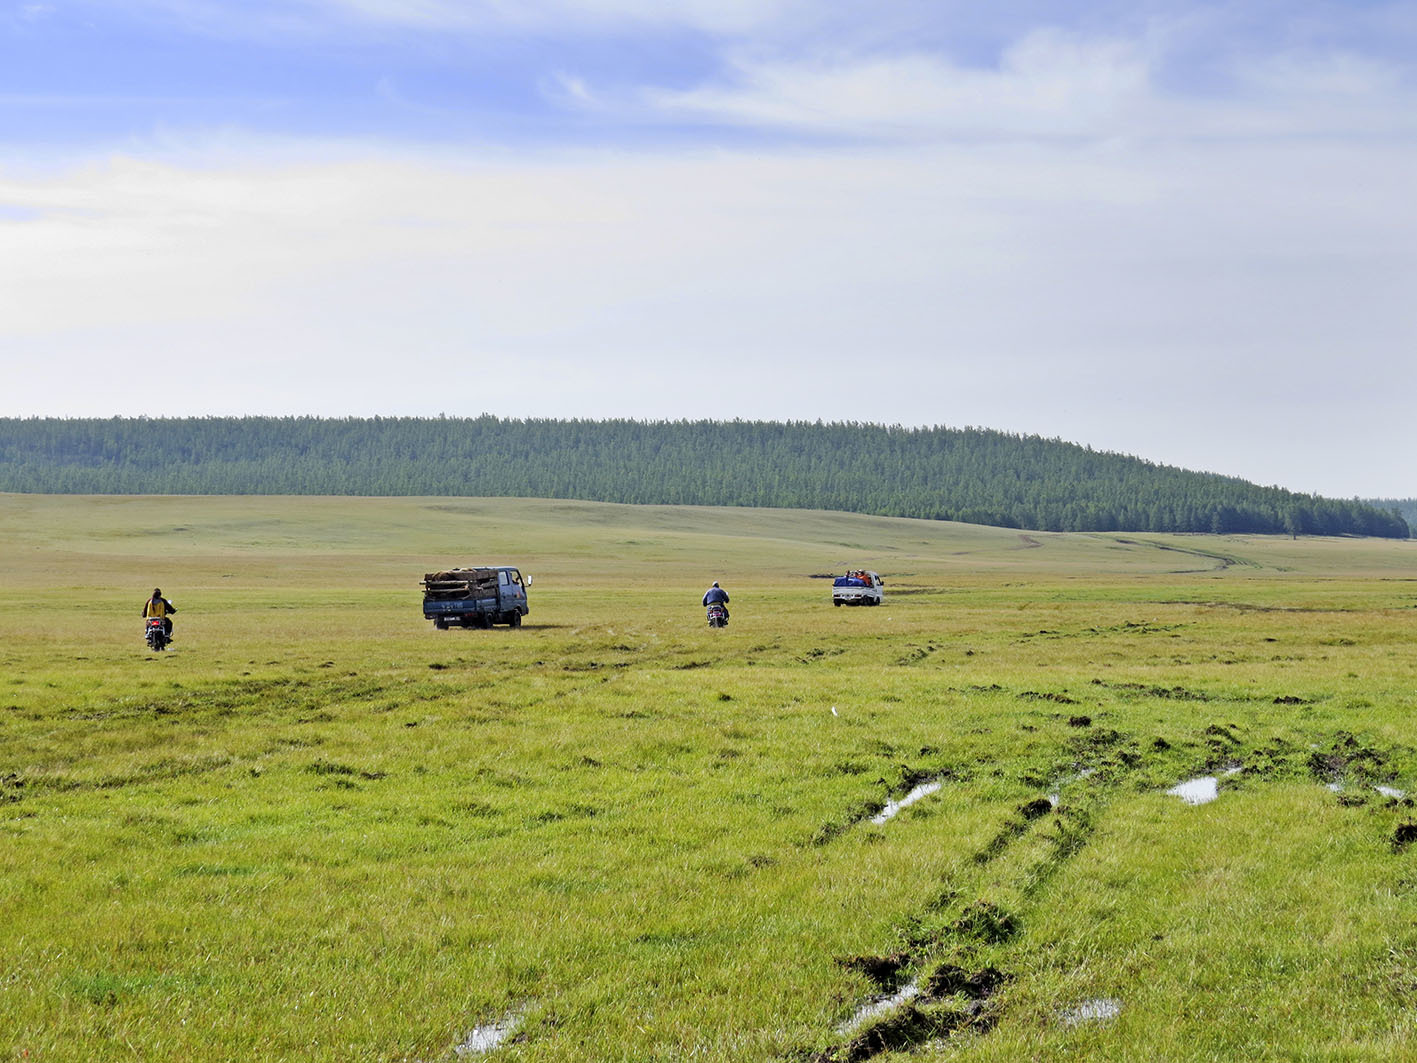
point(836, 603)
point(515, 620)
point(440, 624)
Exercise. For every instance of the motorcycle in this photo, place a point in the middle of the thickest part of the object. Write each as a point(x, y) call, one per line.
point(717, 615)
point(156, 634)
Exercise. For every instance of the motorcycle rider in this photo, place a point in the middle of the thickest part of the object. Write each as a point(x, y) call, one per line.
point(716, 594)
point(159, 606)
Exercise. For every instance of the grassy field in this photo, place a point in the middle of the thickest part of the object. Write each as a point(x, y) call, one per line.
point(317, 829)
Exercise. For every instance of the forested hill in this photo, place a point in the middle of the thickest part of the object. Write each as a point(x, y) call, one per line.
point(1406, 508)
point(973, 475)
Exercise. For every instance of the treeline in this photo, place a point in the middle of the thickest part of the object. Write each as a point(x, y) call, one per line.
point(973, 475)
point(1406, 508)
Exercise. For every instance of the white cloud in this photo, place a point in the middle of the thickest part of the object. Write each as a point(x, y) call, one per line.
point(711, 16)
point(1049, 83)
point(1180, 301)
point(1060, 241)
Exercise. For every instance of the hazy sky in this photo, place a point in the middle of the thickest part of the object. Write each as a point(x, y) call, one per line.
point(1181, 230)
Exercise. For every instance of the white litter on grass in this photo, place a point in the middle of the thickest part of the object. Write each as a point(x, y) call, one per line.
point(1101, 1010)
point(1388, 791)
point(1334, 787)
point(834, 712)
point(892, 807)
point(1197, 791)
point(483, 1039)
point(877, 1008)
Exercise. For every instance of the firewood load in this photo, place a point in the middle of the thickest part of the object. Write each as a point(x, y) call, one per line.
point(460, 583)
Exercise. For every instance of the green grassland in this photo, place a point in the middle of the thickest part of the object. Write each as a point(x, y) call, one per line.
point(317, 829)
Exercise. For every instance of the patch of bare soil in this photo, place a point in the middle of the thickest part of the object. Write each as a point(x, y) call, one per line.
point(1348, 758)
point(1061, 699)
point(949, 999)
point(885, 972)
point(1176, 693)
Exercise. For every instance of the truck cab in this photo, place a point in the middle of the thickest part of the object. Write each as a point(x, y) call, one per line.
point(858, 587)
point(476, 596)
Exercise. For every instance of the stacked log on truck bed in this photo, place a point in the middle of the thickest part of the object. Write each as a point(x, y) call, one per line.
point(458, 583)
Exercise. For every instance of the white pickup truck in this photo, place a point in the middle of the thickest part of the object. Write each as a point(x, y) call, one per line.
point(857, 587)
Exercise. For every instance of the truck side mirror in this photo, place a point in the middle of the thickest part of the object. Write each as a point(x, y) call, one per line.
point(526, 580)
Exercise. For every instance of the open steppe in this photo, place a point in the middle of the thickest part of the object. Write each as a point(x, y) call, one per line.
point(318, 829)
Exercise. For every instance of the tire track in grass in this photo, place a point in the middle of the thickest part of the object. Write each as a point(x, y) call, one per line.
point(954, 989)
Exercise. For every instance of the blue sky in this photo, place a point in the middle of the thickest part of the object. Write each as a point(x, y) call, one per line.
point(1179, 230)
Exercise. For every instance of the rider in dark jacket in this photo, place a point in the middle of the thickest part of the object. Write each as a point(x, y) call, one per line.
point(715, 594)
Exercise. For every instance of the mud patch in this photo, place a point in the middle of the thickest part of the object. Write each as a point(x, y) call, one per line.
point(1039, 806)
point(12, 786)
point(1403, 836)
point(1034, 695)
point(886, 972)
point(916, 1015)
point(892, 808)
point(917, 654)
point(949, 980)
point(908, 1028)
point(876, 1008)
point(1348, 758)
point(1176, 693)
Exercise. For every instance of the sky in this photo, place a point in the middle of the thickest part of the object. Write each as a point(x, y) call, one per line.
point(1181, 230)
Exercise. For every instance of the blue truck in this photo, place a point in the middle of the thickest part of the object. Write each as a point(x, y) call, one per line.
point(479, 596)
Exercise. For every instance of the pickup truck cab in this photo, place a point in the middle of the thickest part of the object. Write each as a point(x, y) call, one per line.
point(858, 587)
point(479, 596)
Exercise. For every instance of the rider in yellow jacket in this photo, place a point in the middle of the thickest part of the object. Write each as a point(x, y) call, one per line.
point(159, 606)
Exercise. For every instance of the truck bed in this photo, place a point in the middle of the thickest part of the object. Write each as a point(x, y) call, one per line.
point(460, 584)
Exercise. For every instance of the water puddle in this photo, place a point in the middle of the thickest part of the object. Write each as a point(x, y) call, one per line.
point(1197, 791)
point(1391, 792)
point(483, 1039)
point(1103, 1009)
point(877, 1008)
point(892, 807)
point(1056, 797)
